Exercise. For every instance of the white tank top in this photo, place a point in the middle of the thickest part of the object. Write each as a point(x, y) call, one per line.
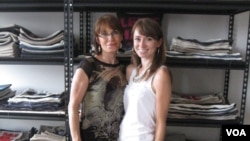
point(138, 123)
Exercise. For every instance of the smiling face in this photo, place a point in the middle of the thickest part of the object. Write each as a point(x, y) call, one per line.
point(109, 39)
point(145, 46)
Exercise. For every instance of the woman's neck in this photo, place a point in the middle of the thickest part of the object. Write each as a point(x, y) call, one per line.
point(145, 64)
point(107, 58)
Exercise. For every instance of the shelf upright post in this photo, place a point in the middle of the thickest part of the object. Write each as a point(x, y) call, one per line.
point(245, 75)
point(82, 49)
point(227, 72)
point(68, 56)
point(88, 30)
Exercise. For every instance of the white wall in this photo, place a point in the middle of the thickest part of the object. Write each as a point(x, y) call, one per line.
point(41, 77)
point(201, 27)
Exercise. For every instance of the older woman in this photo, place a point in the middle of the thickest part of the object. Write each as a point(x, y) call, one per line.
point(98, 85)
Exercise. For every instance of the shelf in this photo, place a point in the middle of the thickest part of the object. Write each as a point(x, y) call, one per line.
point(29, 61)
point(187, 63)
point(206, 63)
point(223, 7)
point(201, 123)
point(32, 5)
point(199, 63)
point(33, 115)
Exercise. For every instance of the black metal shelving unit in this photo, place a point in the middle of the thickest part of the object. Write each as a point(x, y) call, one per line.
point(35, 61)
point(33, 115)
point(31, 5)
point(207, 7)
point(85, 7)
point(201, 123)
point(198, 63)
point(34, 6)
point(166, 6)
point(69, 53)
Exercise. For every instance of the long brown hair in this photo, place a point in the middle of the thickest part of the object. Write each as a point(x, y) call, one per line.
point(149, 27)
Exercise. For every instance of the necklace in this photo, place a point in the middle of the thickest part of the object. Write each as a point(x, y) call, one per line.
point(138, 77)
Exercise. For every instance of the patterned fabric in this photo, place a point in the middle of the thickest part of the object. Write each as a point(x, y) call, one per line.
point(10, 136)
point(102, 107)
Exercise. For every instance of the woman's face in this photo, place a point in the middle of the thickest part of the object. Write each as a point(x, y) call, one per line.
point(109, 39)
point(145, 46)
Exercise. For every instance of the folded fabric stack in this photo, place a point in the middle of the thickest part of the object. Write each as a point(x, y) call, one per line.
point(51, 46)
point(31, 99)
point(10, 136)
point(47, 136)
point(50, 133)
point(206, 106)
point(16, 41)
point(7, 135)
point(194, 49)
point(9, 42)
point(6, 92)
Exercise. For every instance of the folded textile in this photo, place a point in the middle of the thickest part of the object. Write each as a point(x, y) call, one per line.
point(56, 46)
point(33, 96)
point(4, 86)
point(25, 35)
point(10, 135)
point(194, 49)
point(203, 99)
point(203, 108)
point(47, 136)
point(195, 44)
point(215, 56)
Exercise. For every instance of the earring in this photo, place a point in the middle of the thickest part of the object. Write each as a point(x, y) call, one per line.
point(158, 51)
point(99, 49)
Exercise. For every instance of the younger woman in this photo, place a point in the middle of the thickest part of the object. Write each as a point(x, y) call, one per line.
point(147, 95)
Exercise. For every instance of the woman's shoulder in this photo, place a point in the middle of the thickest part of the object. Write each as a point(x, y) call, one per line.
point(130, 67)
point(87, 64)
point(86, 60)
point(163, 72)
point(162, 68)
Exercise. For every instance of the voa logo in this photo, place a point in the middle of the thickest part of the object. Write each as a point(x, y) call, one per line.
point(236, 132)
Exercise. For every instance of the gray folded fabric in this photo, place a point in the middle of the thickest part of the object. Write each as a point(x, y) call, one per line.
point(23, 34)
point(45, 42)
